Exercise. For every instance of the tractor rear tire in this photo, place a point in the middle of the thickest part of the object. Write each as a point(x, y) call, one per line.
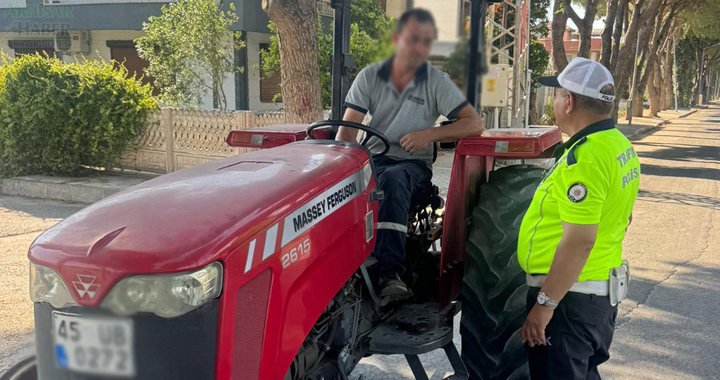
point(494, 290)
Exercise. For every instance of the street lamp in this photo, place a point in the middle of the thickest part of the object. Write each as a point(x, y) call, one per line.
point(701, 88)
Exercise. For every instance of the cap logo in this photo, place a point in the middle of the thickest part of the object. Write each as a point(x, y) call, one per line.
point(607, 98)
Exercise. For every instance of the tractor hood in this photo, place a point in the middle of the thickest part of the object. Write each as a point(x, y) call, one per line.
point(187, 219)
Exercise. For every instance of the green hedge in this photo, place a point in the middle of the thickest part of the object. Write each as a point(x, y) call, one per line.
point(57, 118)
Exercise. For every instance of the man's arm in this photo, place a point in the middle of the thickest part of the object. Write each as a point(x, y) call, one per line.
point(571, 255)
point(350, 134)
point(468, 123)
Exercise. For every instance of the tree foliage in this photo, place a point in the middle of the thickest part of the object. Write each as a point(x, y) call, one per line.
point(539, 61)
point(370, 36)
point(538, 18)
point(702, 21)
point(188, 44)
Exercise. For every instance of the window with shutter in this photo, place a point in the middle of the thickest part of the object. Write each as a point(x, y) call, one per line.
point(269, 86)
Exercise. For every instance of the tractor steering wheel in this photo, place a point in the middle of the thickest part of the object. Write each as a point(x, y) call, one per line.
point(369, 133)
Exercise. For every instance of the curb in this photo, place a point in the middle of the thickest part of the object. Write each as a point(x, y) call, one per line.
point(77, 190)
point(661, 123)
point(687, 114)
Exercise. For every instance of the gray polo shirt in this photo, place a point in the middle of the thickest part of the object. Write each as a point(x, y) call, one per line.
point(429, 95)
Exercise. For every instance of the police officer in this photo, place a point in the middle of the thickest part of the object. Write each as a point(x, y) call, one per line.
point(405, 95)
point(570, 241)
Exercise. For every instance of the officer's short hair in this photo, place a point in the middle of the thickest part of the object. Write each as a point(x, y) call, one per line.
point(418, 14)
point(596, 106)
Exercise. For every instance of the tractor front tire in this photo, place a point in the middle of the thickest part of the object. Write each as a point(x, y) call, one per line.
point(494, 290)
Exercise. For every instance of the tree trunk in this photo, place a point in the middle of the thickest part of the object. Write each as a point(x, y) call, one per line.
point(668, 80)
point(612, 13)
point(699, 63)
point(584, 25)
point(638, 105)
point(585, 41)
point(296, 22)
point(661, 88)
point(559, 24)
point(651, 52)
point(617, 33)
point(625, 59)
point(641, 85)
point(654, 91)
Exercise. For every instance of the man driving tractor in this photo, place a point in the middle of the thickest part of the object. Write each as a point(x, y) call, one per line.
point(405, 95)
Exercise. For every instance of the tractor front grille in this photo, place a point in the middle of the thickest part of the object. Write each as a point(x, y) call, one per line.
point(165, 348)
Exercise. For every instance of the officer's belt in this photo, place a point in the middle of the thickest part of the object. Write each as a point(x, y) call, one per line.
point(599, 288)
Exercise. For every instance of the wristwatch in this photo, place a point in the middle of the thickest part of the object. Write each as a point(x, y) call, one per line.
point(544, 300)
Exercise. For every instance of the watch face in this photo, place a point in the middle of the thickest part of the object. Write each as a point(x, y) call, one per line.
point(542, 298)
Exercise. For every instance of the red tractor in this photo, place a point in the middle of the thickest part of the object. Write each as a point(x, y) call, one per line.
point(258, 266)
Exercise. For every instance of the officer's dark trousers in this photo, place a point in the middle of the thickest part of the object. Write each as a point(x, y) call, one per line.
point(399, 180)
point(578, 335)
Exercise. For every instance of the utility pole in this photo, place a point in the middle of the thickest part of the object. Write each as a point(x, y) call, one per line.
point(675, 82)
point(478, 10)
point(634, 83)
point(342, 62)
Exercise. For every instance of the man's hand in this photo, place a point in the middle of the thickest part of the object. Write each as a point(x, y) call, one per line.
point(416, 141)
point(533, 330)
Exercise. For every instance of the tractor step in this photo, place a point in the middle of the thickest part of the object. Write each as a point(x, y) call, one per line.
point(413, 329)
point(416, 329)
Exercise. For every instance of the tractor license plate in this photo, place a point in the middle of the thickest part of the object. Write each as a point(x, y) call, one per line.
point(94, 345)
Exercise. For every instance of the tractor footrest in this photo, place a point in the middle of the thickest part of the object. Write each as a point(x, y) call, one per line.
point(413, 329)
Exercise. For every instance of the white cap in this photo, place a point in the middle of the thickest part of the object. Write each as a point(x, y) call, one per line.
point(583, 76)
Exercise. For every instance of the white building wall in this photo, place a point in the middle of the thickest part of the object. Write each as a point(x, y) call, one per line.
point(98, 42)
point(395, 8)
point(446, 14)
point(253, 52)
point(206, 100)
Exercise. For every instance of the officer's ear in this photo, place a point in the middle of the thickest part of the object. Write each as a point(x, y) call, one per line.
point(570, 102)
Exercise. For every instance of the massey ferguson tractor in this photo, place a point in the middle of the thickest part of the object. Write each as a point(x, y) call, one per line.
point(259, 266)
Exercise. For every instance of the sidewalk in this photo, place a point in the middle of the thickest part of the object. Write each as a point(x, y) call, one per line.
point(78, 190)
point(643, 124)
point(92, 189)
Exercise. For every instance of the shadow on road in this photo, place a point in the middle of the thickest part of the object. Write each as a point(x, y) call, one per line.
point(688, 153)
point(679, 340)
point(679, 199)
point(694, 173)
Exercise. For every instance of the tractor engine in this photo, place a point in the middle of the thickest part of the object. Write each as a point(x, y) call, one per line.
point(238, 258)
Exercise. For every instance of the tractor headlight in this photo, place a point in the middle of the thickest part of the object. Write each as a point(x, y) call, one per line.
point(167, 296)
point(48, 286)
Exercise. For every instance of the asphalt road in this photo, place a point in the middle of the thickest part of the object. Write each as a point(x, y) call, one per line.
point(21, 221)
point(668, 328)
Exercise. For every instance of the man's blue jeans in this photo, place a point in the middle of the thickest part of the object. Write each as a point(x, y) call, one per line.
point(400, 181)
